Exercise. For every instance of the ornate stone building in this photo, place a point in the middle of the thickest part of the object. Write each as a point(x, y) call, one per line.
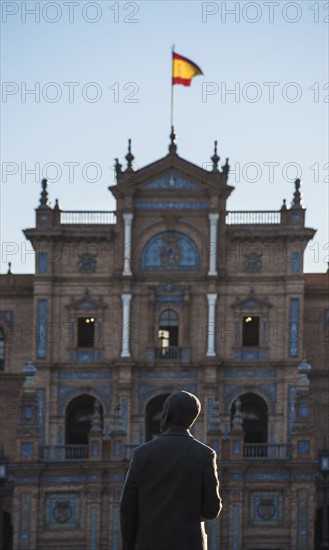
point(171, 291)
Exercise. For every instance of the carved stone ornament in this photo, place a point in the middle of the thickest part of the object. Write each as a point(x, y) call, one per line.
point(87, 262)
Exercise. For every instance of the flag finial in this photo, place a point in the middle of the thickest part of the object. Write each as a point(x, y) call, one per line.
point(172, 146)
point(215, 159)
point(129, 158)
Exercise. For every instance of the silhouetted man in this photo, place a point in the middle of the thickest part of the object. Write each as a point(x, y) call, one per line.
point(171, 485)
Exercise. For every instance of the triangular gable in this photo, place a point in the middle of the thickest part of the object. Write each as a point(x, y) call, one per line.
point(171, 181)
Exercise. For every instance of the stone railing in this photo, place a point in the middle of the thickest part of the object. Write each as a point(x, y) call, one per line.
point(250, 217)
point(57, 453)
point(266, 451)
point(92, 217)
point(171, 352)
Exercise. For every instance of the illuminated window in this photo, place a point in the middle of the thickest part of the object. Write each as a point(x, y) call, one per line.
point(168, 329)
point(86, 332)
point(250, 331)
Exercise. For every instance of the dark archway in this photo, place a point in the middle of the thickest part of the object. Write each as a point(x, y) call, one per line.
point(254, 414)
point(79, 414)
point(8, 531)
point(153, 415)
point(318, 529)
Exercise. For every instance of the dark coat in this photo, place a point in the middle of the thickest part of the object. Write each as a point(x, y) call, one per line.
point(170, 488)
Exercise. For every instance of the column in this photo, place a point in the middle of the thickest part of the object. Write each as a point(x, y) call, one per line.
point(127, 220)
point(212, 298)
point(126, 299)
point(213, 219)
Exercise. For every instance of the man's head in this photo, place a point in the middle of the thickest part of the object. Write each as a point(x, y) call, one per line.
point(181, 408)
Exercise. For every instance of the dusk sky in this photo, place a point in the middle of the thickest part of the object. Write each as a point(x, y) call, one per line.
point(101, 73)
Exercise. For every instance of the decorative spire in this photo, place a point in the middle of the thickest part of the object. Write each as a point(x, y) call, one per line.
point(44, 200)
point(129, 158)
point(226, 167)
point(284, 206)
point(172, 146)
point(215, 159)
point(297, 200)
point(9, 267)
point(57, 207)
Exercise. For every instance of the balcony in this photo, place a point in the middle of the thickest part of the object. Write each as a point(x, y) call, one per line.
point(170, 353)
point(252, 217)
point(81, 217)
point(58, 453)
point(266, 451)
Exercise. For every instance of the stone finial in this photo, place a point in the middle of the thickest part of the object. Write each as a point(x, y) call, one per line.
point(96, 421)
point(172, 146)
point(57, 206)
point(284, 205)
point(215, 159)
point(297, 199)
point(237, 423)
point(215, 416)
point(29, 370)
point(226, 167)
point(129, 158)
point(304, 368)
point(44, 200)
point(9, 267)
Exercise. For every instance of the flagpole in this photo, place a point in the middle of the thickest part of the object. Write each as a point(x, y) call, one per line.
point(172, 90)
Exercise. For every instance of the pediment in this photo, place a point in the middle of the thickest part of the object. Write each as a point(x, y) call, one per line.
point(171, 181)
point(86, 302)
point(251, 302)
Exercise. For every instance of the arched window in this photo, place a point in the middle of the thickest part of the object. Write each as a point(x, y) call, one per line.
point(168, 333)
point(254, 413)
point(2, 350)
point(153, 415)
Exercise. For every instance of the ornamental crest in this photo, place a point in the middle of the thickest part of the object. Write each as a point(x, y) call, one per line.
point(87, 262)
point(170, 251)
point(62, 512)
point(266, 509)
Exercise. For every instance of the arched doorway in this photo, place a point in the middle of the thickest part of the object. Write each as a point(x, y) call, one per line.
point(254, 414)
point(78, 422)
point(153, 415)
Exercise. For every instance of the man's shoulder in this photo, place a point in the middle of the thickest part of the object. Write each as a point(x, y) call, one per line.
point(163, 440)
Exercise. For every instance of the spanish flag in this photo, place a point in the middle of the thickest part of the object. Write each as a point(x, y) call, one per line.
point(183, 70)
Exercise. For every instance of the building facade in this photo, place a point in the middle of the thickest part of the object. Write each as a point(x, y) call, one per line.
point(170, 291)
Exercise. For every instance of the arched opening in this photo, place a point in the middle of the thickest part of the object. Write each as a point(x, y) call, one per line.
point(153, 415)
point(254, 415)
point(80, 413)
point(2, 349)
point(168, 334)
point(319, 531)
point(8, 531)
